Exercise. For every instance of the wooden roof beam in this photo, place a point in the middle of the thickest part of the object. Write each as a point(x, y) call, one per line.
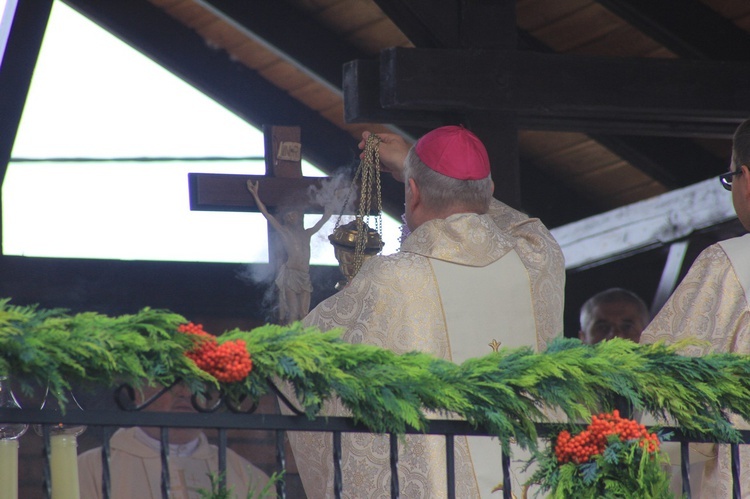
point(470, 25)
point(556, 92)
point(644, 225)
point(21, 53)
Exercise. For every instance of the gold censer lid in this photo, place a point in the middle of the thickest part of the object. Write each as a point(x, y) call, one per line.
point(344, 241)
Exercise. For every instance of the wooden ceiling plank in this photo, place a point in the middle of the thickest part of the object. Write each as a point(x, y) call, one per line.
point(637, 193)
point(539, 145)
point(623, 41)
point(581, 158)
point(564, 36)
point(673, 162)
point(167, 3)
point(627, 198)
point(617, 126)
point(743, 23)
point(189, 13)
point(377, 36)
point(316, 6)
point(316, 96)
point(660, 53)
point(344, 19)
point(698, 32)
point(285, 76)
point(731, 9)
point(334, 113)
point(426, 23)
point(222, 35)
point(254, 55)
point(613, 177)
point(536, 14)
point(291, 32)
point(613, 199)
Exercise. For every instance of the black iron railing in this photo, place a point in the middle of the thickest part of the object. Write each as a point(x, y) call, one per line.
point(224, 421)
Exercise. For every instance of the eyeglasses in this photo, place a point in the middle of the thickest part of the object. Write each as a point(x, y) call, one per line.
point(726, 179)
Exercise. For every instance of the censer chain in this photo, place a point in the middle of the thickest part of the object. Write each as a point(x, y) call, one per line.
point(368, 169)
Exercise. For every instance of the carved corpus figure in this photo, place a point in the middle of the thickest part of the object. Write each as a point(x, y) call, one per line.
point(293, 279)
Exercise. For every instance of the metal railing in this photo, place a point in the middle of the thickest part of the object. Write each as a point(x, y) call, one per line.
point(226, 420)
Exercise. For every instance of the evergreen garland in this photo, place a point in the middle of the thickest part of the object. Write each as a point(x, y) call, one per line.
point(49, 348)
point(504, 392)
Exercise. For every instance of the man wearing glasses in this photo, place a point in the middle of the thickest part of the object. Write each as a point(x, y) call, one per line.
point(711, 305)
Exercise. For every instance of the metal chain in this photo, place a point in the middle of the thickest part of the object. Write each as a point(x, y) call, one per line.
point(369, 172)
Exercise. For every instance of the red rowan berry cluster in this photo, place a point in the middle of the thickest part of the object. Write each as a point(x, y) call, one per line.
point(228, 362)
point(593, 440)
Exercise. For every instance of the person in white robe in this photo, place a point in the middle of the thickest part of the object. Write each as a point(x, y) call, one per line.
point(472, 271)
point(711, 305)
point(135, 461)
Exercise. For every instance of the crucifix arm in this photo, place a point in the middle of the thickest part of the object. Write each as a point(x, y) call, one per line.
point(339, 199)
point(326, 216)
point(253, 188)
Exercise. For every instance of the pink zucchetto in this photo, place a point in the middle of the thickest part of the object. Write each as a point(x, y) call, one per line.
point(455, 152)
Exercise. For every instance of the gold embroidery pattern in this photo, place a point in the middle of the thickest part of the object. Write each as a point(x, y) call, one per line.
point(394, 303)
point(710, 305)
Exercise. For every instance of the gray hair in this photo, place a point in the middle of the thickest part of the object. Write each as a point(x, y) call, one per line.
point(612, 295)
point(440, 191)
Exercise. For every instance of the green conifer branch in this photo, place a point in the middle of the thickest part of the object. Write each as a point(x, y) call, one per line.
point(505, 392)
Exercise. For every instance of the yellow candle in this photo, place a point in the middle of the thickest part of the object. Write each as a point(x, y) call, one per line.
point(64, 467)
point(8, 468)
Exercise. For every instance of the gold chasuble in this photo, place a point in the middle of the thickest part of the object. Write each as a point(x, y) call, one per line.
point(456, 285)
point(711, 305)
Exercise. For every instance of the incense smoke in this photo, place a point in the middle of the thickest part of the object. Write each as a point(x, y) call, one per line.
point(338, 195)
point(336, 192)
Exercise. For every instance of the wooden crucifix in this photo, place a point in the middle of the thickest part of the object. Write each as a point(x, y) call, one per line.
point(288, 251)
